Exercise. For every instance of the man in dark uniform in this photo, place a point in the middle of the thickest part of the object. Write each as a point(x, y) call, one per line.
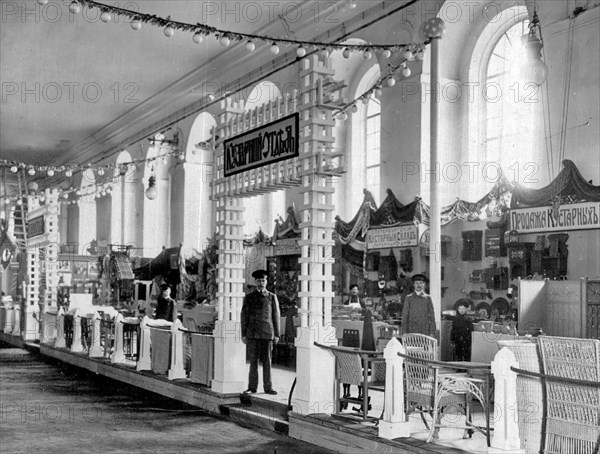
point(165, 307)
point(260, 330)
point(418, 315)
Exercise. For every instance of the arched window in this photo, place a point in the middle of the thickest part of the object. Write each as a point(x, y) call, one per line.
point(505, 125)
point(372, 146)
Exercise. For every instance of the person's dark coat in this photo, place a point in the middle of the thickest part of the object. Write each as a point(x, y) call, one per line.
point(165, 308)
point(418, 315)
point(260, 316)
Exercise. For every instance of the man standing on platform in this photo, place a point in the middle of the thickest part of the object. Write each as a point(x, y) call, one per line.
point(418, 315)
point(260, 330)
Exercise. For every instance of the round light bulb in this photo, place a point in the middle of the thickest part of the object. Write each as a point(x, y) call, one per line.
point(406, 72)
point(386, 53)
point(50, 172)
point(75, 7)
point(408, 55)
point(343, 116)
point(105, 17)
point(31, 171)
point(169, 31)
point(301, 52)
point(250, 46)
point(136, 24)
point(391, 82)
point(100, 171)
point(420, 55)
point(42, 2)
point(14, 169)
point(325, 53)
point(378, 92)
point(365, 100)
point(225, 41)
point(346, 53)
point(352, 4)
point(19, 202)
point(354, 108)
point(68, 173)
point(367, 54)
point(42, 198)
point(197, 38)
point(274, 49)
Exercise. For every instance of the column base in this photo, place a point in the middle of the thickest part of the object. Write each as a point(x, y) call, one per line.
point(315, 371)
point(391, 430)
point(230, 359)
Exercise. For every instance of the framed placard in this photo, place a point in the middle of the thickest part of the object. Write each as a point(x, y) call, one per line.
point(273, 142)
point(36, 227)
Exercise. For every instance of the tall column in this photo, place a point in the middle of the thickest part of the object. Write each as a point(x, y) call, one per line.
point(230, 373)
point(30, 307)
point(433, 29)
point(315, 366)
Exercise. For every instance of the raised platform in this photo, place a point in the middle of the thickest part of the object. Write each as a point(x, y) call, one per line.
point(343, 436)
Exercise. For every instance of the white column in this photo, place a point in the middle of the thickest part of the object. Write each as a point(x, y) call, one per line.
point(31, 328)
point(506, 426)
point(118, 355)
point(315, 367)
point(76, 346)
point(144, 359)
point(394, 423)
point(433, 29)
point(176, 370)
point(230, 353)
point(60, 329)
point(95, 347)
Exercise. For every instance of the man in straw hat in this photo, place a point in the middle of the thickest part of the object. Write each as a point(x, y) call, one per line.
point(260, 330)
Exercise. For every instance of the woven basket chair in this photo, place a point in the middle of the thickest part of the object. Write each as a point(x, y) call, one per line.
point(420, 377)
point(530, 393)
point(352, 367)
point(573, 410)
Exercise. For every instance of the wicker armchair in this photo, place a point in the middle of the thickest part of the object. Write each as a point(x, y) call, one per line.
point(419, 377)
point(432, 387)
point(573, 405)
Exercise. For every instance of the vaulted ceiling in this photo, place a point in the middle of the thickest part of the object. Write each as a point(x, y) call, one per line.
point(74, 87)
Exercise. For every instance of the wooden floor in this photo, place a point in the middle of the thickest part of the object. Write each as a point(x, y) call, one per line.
point(334, 434)
point(48, 407)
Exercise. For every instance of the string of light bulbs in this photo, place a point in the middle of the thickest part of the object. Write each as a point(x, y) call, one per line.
point(388, 79)
point(226, 37)
point(99, 169)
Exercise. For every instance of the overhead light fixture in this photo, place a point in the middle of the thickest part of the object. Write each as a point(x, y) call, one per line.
point(534, 69)
point(151, 192)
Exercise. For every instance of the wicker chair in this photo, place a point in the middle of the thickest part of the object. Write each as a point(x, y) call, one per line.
point(357, 367)
point(422, 384)
point(573, 407)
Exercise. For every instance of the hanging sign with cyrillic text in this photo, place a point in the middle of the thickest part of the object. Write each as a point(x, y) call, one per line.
point(574, 216)
point(400, 236)
point(274, 142)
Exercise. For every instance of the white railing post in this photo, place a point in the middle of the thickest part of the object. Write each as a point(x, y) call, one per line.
point(144, 359)
point(16, 328)
point(95, 347)
point(118, 355)
point(10, 320)
point(60, 329)
point(506, 427)
point(177, 369)
point(76, 345)
point(394, 424)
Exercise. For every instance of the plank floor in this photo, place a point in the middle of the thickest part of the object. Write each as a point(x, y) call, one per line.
point(52, 408)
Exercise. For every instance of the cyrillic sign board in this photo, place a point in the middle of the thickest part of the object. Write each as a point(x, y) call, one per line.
point(574, 216)
point(274, 142)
